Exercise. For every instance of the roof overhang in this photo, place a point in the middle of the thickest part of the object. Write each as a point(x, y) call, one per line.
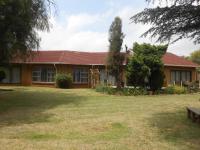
point(60, 63)
point(186, 66)
point(57, 63)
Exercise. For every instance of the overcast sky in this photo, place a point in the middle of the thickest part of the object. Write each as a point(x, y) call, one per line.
point(83, 25)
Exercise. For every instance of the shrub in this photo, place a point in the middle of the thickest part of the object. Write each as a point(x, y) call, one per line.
point(175, 90)
point(192, 87)
point(63, 81)
point(2, 75)
point(140, 91)
point(106, 89)
point(169, 90)
point(100, 88)
point(122, 91)
point(159, 92)
point(134, 91)
point(113, 91)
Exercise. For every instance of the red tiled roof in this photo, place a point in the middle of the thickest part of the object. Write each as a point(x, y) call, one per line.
point(93, 58)
point(66, 57)
point(170, 59)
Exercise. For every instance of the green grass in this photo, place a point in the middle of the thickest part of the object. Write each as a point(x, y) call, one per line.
point(48, 118)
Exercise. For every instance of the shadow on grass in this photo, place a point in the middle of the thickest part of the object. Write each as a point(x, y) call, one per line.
point(27, 107)
point(176, 127)
point(6, 90)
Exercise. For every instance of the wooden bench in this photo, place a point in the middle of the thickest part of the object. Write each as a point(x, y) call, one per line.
point(194, 114)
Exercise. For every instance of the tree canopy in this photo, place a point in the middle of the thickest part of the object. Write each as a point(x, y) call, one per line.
point(175, 20)
point(115, 58)
point(19, 22)
point(145, 68)
point(195, 56)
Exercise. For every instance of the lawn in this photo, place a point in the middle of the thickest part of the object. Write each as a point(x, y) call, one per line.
point(81, 119)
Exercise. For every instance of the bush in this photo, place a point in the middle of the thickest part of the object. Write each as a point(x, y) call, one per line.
point(2, 75)
point(140, 91)
point(123, 91)
point(106, 89)
point(63, 81)
point(134, 91)
point(100, 88)
point(192, 87)
point(175, 90)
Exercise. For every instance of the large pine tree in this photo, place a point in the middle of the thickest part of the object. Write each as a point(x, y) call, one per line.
point(173, 20)
point(115, 57)
point(19, 22)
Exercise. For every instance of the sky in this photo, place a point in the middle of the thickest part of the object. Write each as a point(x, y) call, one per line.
point(82, 25)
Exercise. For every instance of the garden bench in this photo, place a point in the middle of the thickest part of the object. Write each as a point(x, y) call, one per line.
point(194, 114)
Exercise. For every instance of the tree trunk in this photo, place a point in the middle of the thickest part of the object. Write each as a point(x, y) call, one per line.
point(118, 80)
point(119, 85)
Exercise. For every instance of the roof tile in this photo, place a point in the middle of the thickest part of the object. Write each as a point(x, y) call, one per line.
point(93, 58)
point(170, 59)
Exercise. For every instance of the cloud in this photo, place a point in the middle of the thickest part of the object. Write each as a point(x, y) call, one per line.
point(132, 31)
point(74, 34)
point(89, 32)
point(77, 31)
point(77, 22)
point(183, 47)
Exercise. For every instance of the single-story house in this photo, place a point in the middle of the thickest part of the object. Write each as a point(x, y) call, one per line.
point(86, 68)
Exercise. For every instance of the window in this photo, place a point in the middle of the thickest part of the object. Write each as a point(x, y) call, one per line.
point(103, 76)
point(36, 74)
point(188, 77)
point(43, 74)
point(179, 76)
point(173, 76)
point(184, 76)
point(13, 74)
point(16, 75)
point(80, 75)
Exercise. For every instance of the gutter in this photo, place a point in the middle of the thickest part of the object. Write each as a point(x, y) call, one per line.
point(187, 66)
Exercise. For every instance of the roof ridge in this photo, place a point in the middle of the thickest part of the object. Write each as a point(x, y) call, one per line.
point(72, 51)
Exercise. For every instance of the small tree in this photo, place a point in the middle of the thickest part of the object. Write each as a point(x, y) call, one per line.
point(115, 57)
point(195, 56)
point(146, 67)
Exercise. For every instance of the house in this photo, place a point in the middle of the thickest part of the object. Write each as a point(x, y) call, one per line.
point(40, 69)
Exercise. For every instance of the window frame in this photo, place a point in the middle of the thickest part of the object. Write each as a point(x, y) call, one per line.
point(10, 74)
point(180, 72)
point(80, 75)
point(39, 76)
